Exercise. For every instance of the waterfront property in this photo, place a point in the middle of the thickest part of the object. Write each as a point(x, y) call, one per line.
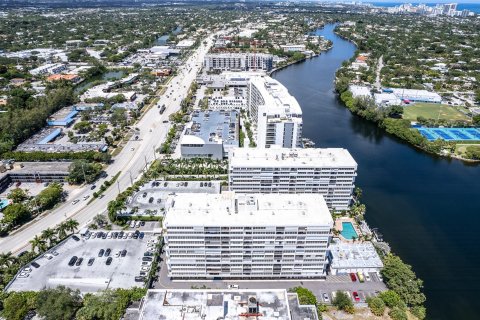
point(240, 236)
point(451, 134)
point(214, 304)
point(238, 61)
point(353, 257)
point(348, 231)
point(330, 172)
point(210, 134)
point(276, 114)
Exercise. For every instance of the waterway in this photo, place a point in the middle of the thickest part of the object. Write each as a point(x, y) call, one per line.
point(427, 208)
point(107, 76)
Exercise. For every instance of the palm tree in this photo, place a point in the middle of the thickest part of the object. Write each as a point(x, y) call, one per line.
point(71, 225)
point(49, 235)
point(7, 259)
point(38, 243)
point(61, 230)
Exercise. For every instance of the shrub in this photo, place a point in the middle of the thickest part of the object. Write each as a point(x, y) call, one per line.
point(376, 305)
point(343, 302)
point(419, 311)
point(398, 314)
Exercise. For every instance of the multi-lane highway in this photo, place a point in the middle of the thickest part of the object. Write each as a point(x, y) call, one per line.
point(131, 161)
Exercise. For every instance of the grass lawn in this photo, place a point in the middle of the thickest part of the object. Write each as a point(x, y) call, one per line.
point(461, 148)
point(432, 111)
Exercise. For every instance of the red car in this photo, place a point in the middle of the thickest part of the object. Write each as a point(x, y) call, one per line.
point(353, 277)
point(355, 296)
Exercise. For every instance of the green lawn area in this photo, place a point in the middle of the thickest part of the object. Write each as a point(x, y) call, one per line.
point(432, 111)
point(461, 148)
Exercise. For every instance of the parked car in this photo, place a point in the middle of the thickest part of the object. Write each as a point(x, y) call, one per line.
point(124, 253)
point(24, 275)
point(100, 253)
point(107, 252)
point(141, 235)
point(72, 261)
point(353, 277)
point(109, 261)
point(326, 298)
point(137, 224)
point(55, 253)
point(117, 254)
point(74, 237)
point(90, 261)
point(79, 262)
point(150, 200)
point(132, 224)
point(355, 296)
point(147, 259)
point(35, 264)
point(139, 279)
point(48, 256)
point(367, 277)
point(360, 277)
point(27, 269)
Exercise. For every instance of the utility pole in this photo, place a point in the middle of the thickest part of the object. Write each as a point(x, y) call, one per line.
point(131, 180)
point(118, 186)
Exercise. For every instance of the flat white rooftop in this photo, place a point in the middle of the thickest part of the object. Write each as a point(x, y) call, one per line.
point(214, 304)
point(231, 209)
point(278, 101)
point(354, 255)
point(286, 158)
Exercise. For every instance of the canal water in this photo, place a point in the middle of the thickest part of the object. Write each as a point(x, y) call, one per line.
point(107, 76)
point(427, 208)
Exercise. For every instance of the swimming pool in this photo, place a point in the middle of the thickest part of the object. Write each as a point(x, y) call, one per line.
point(348, 232)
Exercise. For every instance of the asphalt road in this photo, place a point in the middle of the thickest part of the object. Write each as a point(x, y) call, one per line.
point(131, 161)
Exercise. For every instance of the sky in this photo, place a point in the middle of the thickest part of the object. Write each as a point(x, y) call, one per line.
point(408, 1)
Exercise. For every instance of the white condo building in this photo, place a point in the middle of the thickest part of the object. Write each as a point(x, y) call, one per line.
point(234, 236)
point(330, 172)
point(238, 61)
point(275, 113)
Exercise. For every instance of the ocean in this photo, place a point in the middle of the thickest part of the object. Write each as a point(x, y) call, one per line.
point(475, 7)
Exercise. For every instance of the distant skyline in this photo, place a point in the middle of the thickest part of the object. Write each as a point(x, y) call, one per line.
point(406, 1)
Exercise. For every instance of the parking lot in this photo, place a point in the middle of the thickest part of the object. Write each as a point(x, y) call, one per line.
point(150, 199)
point(91, 263)
point(324, 290)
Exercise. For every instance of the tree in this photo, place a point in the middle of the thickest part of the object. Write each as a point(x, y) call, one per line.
point(343, 302)
point(83, 171)
point(7, 260)
point(419, 311)
point(38, 243)
point(49, 235)
point(71, 225)
point(376, 305)
point(82, 127)
point(17, 305)
point(16, 213)
point(50, 196)
point(305, 296)
point(100, 220)
point(400, 278)
point(391, 299)
point(476, 119)
point(17, 195)
point(398, 314)
point(59, 303)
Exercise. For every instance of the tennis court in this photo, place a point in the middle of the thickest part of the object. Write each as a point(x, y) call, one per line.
point(450, 134)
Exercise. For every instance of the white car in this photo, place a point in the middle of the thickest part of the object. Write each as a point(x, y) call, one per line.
point(23, 275)
point(86, 197)
point(367, 277)
point(145, 268)
point(146, 263)
point(233, 286)
point(132, 223)
point(117, 254)
point(75, 201)
point(48, 256)
point(27, 269)
point(137, 224)
point(109, 235)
